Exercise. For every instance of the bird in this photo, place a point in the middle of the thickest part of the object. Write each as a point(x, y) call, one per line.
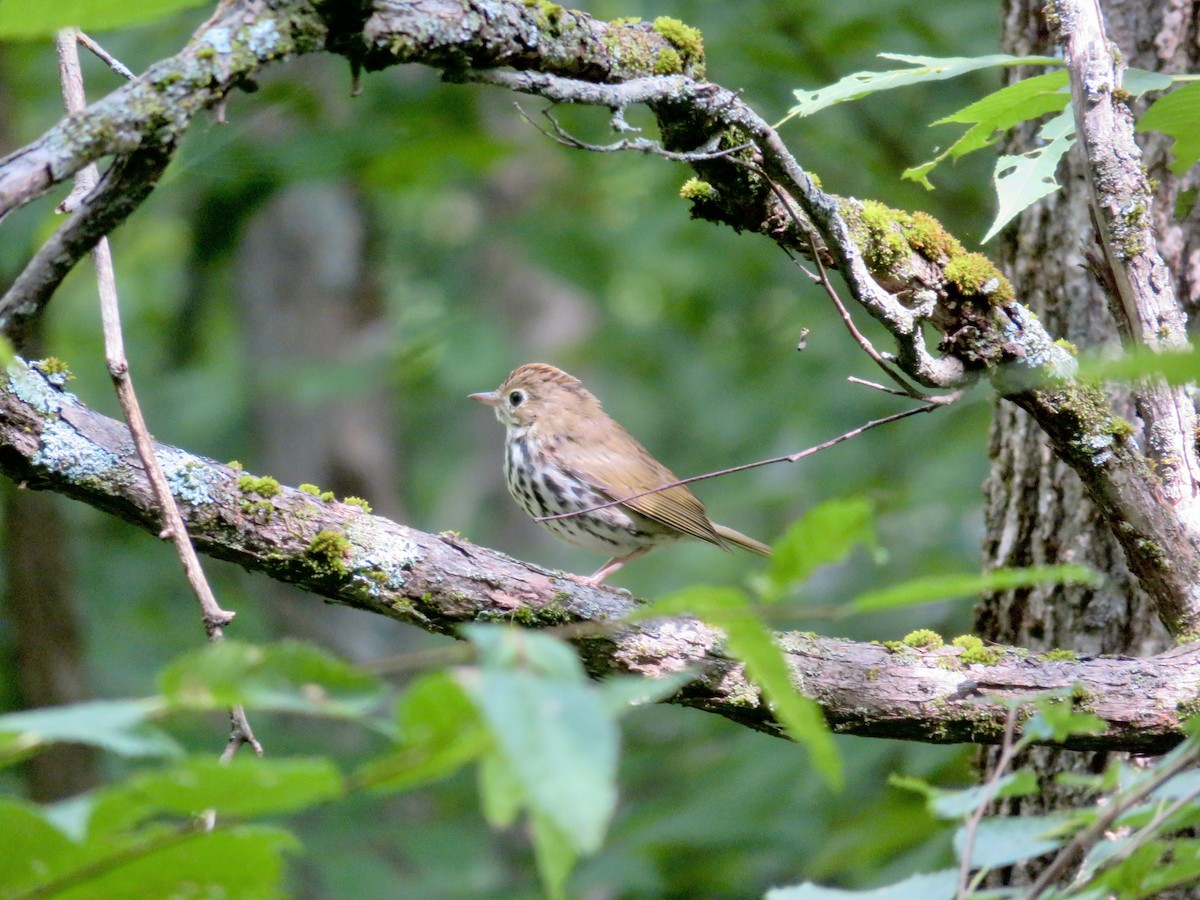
point(564, 454)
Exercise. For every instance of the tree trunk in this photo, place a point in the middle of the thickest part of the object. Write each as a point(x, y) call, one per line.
point(1036, 509)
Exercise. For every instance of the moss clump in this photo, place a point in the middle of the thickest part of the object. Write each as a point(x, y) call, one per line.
point(359, 502)
point(883, 245)
point(329, 549)
point(235, 465)
point(55, 370)
point(668, 62)
point(684, 38)
point(928, 236)
point(549, 14)
point(923, 638)
point(974, 652)
point(1186, 709)
point(973, 274)
point(895, 646)
point(264, 487)
point(1058, 655)
point(1067, 345)
point(695, 189)
point(310, 489)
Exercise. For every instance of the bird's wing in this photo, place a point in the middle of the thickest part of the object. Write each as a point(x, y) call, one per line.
point(606, 467)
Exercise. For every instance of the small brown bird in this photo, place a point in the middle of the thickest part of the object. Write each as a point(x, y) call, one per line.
point(563, 453)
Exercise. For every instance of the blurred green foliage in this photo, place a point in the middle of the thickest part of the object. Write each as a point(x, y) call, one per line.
point(493, 246)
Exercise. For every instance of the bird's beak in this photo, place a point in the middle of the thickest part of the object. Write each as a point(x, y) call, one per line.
point(489, 398)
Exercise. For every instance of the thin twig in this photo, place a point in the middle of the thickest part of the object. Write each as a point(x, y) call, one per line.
point(876, 386)
point(1008, 749)
point(109, 60)
point(794, 457)
point(1105, 819)
point(213, 617)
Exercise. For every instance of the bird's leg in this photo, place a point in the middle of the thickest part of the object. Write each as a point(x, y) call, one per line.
point(612, 565)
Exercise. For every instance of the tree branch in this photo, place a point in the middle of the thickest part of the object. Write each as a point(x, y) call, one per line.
point(49, 440)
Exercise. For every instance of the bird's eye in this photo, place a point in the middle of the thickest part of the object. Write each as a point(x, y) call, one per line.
point(516, 398)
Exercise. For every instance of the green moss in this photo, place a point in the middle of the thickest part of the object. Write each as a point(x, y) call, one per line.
point(310, 489)
point(695, 189)
point(883, 246)
point(928, 236)
point(1154, 552)
point(327, 497)
point(1067, 345)
point(625, 20)
point(359, 502)
point(922, 637)
point(264, 487)
point(329, 549)
point(1187, 709)
point(55, 370)
point(549, 14)
point(235, 465)
point(1058, 655)
point(895, 646)
point(873, 674)
point(668, 62)
point(974, 652)
point(206, 52)
point(974, 274)
point(686, 39)
point(1122, 428)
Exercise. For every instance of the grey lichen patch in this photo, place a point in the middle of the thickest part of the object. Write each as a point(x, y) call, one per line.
point(1019, 327)
point(34, 388)
point(379, 557)
point(189, 477)
point(65, 451)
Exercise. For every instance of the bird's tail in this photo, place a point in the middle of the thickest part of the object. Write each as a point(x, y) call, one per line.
point(746, 543)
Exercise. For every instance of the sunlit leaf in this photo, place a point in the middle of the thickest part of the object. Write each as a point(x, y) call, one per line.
point(552, 729)
point(289, 676)
point(32, 845)
point(245, 786)
point(121, 726)
point(948, 803)
point(1024, 179)
point(999, 111)
point(825, 535)
point(439, 732)
point(751, 642)
point(556, 855)
point(922, 69)
point(35, 18)
point(931, 588)
point(931, 886)
point(1004, 841)
point(240, 861)
point(1177, 115)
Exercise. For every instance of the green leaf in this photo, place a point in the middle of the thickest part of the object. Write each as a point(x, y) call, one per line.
point(825, 535)
point(750, 641)
point(439, 733)
point(620, 692)
point(1004, 841)
point(931, 886)
point(287, 676)
point(931, 588)
point(241, 861)
point(996, 113)
point(500, 792)
point(947, 803)
point(556, 855)
point(1057, 719)
point(1142, 81)
point(508, 647)
point(1176, 367)
point(1023, 180)
point(36, 18)
point(32, 845)
point(245, 786)
point(1177, 115)
point(120, 726)
point(552, 729)
point(924, 69)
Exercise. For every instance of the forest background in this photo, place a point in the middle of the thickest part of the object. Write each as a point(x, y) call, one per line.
point(320, 280)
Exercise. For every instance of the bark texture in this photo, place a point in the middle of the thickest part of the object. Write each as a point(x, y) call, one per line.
point(1037, 511)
